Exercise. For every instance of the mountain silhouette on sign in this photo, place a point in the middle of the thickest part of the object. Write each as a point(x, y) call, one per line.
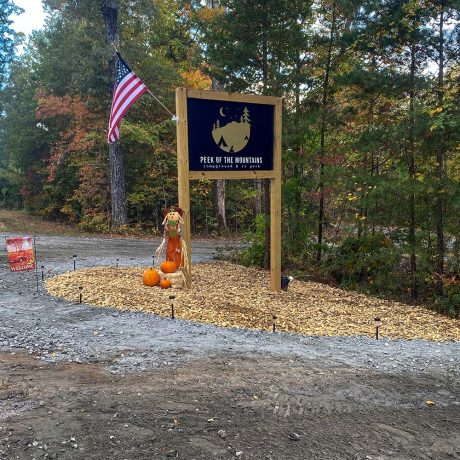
point(233, 136)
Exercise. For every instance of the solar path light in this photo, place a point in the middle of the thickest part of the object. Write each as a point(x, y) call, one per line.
point(377, 325)
point(171, 298)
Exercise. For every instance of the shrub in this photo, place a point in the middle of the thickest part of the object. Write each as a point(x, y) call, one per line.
point(253, 254)
point(368, 261)
point(94, 223)
point(447, 299)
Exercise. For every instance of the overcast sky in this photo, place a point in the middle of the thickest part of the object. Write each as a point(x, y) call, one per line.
point(32, 18)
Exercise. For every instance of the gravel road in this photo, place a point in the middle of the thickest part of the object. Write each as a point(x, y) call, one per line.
point(304, 389)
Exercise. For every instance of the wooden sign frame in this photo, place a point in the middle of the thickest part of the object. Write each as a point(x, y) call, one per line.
point(185, 175)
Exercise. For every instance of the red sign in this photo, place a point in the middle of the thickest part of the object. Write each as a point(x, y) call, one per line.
point(20, 253)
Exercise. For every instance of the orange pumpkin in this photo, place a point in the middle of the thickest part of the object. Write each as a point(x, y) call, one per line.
point(165, 283)
point(151, 277)
point(168, 266)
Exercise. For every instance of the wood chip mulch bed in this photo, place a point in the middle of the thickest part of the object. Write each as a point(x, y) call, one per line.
point(234, 296)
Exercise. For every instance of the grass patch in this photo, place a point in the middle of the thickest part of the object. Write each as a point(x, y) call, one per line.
point(21, 223)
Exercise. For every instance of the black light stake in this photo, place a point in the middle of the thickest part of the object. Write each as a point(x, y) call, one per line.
point(74, 261)
point(43, 273)
point(171, 298)
point(274, 323)
point(377, 324)
point(81, 293)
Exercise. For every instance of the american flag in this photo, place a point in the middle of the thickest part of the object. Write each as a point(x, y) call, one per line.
point(128, 88)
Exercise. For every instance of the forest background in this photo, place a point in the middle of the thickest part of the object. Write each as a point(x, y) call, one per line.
point(371, 129)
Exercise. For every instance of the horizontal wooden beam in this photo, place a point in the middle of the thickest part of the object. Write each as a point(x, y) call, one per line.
point(232, 97)
point(200, 175)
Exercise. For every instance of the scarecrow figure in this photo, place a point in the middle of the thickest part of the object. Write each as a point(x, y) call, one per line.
point(172, 232)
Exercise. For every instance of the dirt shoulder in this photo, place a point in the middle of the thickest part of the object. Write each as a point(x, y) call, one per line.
point(78, 382)
point(223, 407)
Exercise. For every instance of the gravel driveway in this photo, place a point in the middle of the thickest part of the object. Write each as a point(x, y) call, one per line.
point(232, 393)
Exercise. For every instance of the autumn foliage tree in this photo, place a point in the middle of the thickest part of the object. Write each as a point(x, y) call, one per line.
point(371, 129)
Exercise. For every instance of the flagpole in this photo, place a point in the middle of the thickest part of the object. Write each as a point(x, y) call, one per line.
point(161, 103)
point(146, 88)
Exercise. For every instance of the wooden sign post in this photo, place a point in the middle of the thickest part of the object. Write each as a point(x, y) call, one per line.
point(230, 136)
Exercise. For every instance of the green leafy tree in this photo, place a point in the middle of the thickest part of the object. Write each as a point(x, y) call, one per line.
point(9, 36)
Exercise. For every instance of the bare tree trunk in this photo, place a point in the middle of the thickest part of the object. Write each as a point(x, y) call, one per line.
point(324, 116)
point(219, 204)
point(374, 152)
point(117, 185)
point(258, 203)
point(219, 189)
point(109, 10)
point(266, 182)
point(298, 166)
point(440, 156)
point(412, 240)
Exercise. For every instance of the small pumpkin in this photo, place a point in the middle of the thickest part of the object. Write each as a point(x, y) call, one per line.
point(151, 277)
point(165, 283)
point(168, 266)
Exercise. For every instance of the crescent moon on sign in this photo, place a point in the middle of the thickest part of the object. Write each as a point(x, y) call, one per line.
point(221, 111)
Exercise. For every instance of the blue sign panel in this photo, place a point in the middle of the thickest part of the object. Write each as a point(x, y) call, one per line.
point(229, 136)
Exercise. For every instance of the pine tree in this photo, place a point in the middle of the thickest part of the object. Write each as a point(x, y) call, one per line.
point(246, 115)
